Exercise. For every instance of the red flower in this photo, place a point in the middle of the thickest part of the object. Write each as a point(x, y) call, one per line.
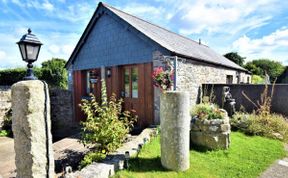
point(162, 79)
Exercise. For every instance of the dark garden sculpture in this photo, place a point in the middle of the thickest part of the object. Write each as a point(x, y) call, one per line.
point(228, 101)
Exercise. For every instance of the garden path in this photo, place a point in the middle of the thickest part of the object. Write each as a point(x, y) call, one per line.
point(279, 169)
point(67, 146)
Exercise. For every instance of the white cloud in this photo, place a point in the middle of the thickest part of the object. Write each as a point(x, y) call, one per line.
point(2, 55)
point(273, 46)
point(156, 14)
point(67, 49)
point(143, 10)
point(223, 16)
point(17, 2)
point(47, 6)
point(54, 49)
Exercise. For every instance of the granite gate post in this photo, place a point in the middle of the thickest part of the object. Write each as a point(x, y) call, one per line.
point(31, 126)
point(175, 126)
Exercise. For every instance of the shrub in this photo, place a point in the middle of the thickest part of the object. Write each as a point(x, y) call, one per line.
point(92, 157)
point(7, 122)
point(106, 125)
point(257, 79)
point(54, 73)
point(207, 111)
point(6, 125)
point(271, 125)
point(11, 76)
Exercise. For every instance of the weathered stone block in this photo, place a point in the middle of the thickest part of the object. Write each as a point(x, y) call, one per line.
point(31, 128)
point(175, 126)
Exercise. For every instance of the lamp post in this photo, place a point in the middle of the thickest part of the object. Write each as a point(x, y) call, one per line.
point(29, 46)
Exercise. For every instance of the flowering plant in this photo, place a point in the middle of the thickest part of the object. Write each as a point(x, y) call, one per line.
point(162, 79)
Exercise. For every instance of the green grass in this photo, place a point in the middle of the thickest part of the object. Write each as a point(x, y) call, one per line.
point(5, 133)
point(247, 157)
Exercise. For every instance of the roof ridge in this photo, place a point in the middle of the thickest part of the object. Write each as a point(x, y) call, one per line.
point(182, 36)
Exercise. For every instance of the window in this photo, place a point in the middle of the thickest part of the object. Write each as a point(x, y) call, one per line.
point(229, 79)
point(248, 79)
point(91, 79)
point(134, 77)
point(127, 82)
point(131, 78)
point(88, 87)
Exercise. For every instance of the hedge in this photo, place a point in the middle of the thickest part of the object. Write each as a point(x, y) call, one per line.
point(11, 76)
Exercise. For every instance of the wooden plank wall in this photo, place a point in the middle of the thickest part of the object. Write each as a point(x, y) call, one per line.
point(114, 85)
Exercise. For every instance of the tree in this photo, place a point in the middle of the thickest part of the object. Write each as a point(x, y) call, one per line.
point(235, 57)
point(261, 66)
point(54, 73)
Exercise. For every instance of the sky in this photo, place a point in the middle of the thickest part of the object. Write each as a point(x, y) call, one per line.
point(253, 28)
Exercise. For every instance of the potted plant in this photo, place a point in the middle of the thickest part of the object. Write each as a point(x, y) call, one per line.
point(162, 79)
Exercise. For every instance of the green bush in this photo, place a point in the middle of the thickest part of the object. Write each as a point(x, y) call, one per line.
point(4, 133)
point(207, 111)
point(6, 125)
point(54, 73)
point(257, 79)
point(271, 125)
point(11, 76)
point(92, 157)
point(7, 122)
point(106, 125)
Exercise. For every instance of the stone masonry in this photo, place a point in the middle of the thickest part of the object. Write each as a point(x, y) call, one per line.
point(5, 101)
point(61, 110)
point(62, 113)
point(211, 134)
point(192, 74)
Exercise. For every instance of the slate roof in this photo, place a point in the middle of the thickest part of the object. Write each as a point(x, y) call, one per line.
point(177, 44)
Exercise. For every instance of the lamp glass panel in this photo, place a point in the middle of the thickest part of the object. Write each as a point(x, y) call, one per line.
point(32, 52)
point(23, 51)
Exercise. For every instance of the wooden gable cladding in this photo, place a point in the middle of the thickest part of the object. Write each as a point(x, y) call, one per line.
point(144, 104)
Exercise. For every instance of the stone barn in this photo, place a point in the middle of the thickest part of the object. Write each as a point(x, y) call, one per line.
point(124, 50)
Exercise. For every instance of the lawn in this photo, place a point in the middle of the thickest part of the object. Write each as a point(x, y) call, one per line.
point(247, 157)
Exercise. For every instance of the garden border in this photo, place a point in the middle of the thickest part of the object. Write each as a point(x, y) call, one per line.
point(114, 161)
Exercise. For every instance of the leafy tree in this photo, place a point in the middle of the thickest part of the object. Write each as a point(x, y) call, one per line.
point(235, 57)
point(261, 66)
point(256, 79)
point(54, 73)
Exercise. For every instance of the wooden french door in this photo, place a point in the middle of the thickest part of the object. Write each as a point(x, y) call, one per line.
point(137, 92)
point(132, 91)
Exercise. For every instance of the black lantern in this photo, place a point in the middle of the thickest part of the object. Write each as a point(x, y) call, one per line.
point(29, 46)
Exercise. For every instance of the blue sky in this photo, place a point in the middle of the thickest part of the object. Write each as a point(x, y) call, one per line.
point(254, 29)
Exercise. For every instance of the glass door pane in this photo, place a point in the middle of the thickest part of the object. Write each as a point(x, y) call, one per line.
point(134, 76)
point(127, 82)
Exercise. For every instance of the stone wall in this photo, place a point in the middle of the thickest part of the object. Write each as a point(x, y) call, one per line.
point(5, 101)
point(61, 110)
point(192, 74)
point(63, 123)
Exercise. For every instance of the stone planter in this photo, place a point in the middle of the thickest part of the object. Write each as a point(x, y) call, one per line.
point(212, 134)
